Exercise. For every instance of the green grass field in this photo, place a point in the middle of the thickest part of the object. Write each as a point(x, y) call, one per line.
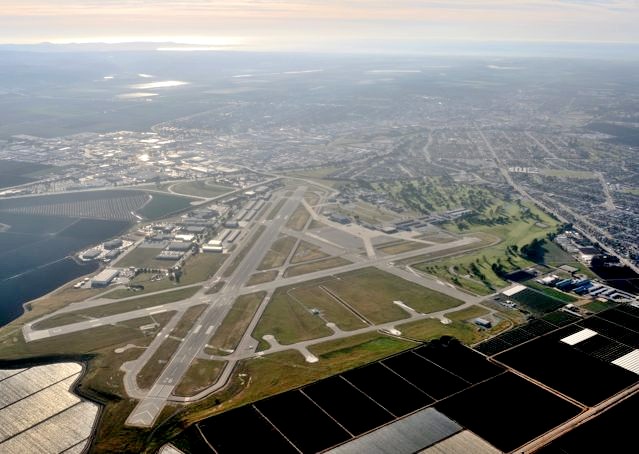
point(289, 321)
point(372, 292)
point(473, 271)
point(331, 310)
point(469, 313)
point(548, 291)
point(144, 257)
point(429, 329)
point(117, 307)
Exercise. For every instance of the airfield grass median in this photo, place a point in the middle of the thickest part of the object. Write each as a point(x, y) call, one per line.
point(468, 333)
point(372, 292)
point(187, 322)
point(306, 252)
point(117, 307)
point(262, 277)
point(156, 364)
point(318, 265)
point(298, 219)
point(279, 252)
point(289, 321)
point(228, 335)
point(201, 374)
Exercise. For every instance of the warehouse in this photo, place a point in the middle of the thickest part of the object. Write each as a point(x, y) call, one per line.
point(104, 278)
point(179, 246)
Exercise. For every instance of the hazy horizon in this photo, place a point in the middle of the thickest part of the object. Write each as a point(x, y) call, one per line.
point(326, 26)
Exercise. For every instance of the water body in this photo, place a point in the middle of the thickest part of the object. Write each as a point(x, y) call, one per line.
point(35, 255)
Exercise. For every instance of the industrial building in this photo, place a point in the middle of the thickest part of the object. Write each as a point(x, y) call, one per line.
point(91, 254)
point(104, 278)
point(113, 244)
point(179, 246)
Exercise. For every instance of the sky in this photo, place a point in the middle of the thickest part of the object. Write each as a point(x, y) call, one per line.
point(323, 25)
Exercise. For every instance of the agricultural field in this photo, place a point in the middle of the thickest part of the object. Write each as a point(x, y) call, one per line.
point(537, 302)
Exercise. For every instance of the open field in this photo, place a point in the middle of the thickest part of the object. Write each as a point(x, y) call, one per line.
point(201, 374)
point(298, 219)
point(331, 310)
point(144, 257)
point(306, 252)
point(156, 364)
point(200, 188)
point(319, 265)
point(372, 292)
point(289, 321)
point(467, 333)
point(278, 253)
point(116, 308)
point(231, 330)
point(467, 314)
point(549, 291)
point(261, 278)
point(13, 346)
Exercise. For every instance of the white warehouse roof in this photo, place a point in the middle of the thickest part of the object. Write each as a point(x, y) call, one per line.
point(513, 290)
